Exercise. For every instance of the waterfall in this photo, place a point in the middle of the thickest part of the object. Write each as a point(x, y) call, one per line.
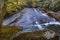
point(56, 23)
point(11, 19)
point(39, 26)
point(32, 19)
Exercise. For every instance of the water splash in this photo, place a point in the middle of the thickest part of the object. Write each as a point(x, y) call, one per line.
point(39, 26)
point(56, 23)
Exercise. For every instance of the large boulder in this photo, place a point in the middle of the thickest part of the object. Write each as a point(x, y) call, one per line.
point(53, 14)
point(37, 35)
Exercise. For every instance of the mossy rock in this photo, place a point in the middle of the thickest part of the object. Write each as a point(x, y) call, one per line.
point(7, 32)
point(37, 35)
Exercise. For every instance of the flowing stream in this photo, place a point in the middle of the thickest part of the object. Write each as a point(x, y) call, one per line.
point(32, 19)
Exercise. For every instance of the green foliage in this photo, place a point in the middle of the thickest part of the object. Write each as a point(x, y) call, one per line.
point(15, 5)
point(33, 3)
point(7, 32)
point(52, 4)
point(1, 4)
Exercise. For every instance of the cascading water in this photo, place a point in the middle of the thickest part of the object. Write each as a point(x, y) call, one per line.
point(11, 19)
point(32, 19)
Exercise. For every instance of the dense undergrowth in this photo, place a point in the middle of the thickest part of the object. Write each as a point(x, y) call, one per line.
point(7, 32)
point(14, 6)
point(52, 4)
point(20, 4)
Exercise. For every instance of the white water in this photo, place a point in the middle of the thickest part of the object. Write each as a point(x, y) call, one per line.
point(39, 26)
point(11, 19)
point(32, 19)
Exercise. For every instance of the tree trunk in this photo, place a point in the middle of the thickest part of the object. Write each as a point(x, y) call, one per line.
point(2, 12)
